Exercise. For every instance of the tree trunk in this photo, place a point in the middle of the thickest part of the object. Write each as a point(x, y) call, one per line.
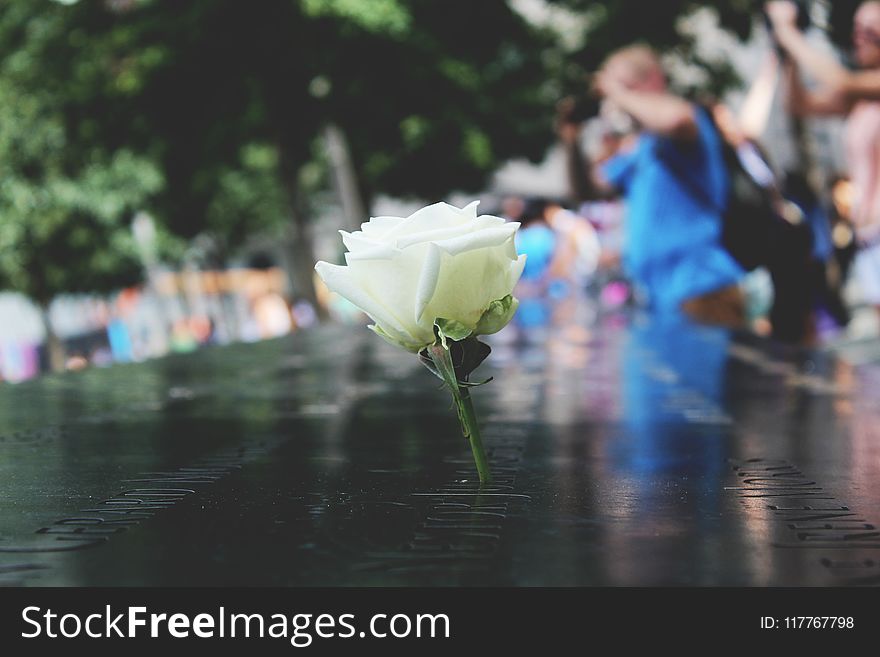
point(344, 176)
point(227, 310)
point(55, 353)
point(302, 247)
point(304, 261)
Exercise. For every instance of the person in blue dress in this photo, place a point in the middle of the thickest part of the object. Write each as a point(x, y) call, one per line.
point(672, 251)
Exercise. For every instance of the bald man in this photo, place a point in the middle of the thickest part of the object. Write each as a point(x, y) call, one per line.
point(855, 94)
point(673, 178)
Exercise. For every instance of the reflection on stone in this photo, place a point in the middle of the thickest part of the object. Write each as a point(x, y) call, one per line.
point(625, 452)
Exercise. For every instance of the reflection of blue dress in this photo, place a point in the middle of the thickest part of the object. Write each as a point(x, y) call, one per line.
point(673, 401)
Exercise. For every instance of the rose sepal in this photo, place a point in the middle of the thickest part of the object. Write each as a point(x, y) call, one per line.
point(453, 361)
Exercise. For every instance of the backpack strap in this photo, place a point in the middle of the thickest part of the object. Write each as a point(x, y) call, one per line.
point(697, 190)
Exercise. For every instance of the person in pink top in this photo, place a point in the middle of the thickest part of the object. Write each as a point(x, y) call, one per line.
point(855, 94)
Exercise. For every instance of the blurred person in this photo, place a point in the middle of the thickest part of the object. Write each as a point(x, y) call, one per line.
point(182, 340)
point(794, 244)
point(512, 207)
point(761, 226)
point(539, 243)
point(608, 281)
point(742, 130)
point(604, 215)
point(119, 338)
point(856, 95)
point(118, 327)
point(202, 328)
point(614, 134)
point(101, 356)
point(76, 362)
point(673, 248)
point(579, 249)
point(18, 361)
point(822, 276)
point(540, 284)
point(304, 314)
point(842, 233)
point(272, 315)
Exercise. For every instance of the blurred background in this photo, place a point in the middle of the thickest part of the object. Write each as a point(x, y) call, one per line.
point(171, 171)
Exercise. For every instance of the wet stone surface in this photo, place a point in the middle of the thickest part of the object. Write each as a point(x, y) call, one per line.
point(625, 453)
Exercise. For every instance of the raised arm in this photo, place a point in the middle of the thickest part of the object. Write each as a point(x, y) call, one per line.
point(801, 102)
point(658, 112)
point(755, 110)
point(836, 81)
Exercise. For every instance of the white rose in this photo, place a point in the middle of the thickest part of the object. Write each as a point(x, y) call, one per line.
point(440, 262)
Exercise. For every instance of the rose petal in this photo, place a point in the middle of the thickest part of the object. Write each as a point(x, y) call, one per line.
point(485, 238)
point(427, 281)
point(492, 220)
point(445, 233)
point(429, 218)
point(441, 261)
point(470, 210)
point(409, 346)
point(394, 281)
point(358, 241)
point(468, 283)
point(378, 226)
point(434, 235)
point(373, 252)
point(342, 281)
point(516, 270)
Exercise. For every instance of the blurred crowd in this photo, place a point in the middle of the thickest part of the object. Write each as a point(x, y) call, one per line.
point(178, 313)
point(675, 205)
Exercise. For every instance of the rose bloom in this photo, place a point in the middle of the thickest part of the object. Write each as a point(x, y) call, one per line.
point(440, 262)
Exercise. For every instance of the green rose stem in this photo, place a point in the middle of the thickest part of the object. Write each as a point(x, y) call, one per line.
point(472, 432)
point(462, 398)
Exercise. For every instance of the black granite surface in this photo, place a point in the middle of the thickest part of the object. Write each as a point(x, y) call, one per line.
point(626, 452)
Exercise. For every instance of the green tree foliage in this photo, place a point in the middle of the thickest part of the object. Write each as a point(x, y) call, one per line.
point(612, 25)
point(438, 100)
point(432, 96)
point(65, 200)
